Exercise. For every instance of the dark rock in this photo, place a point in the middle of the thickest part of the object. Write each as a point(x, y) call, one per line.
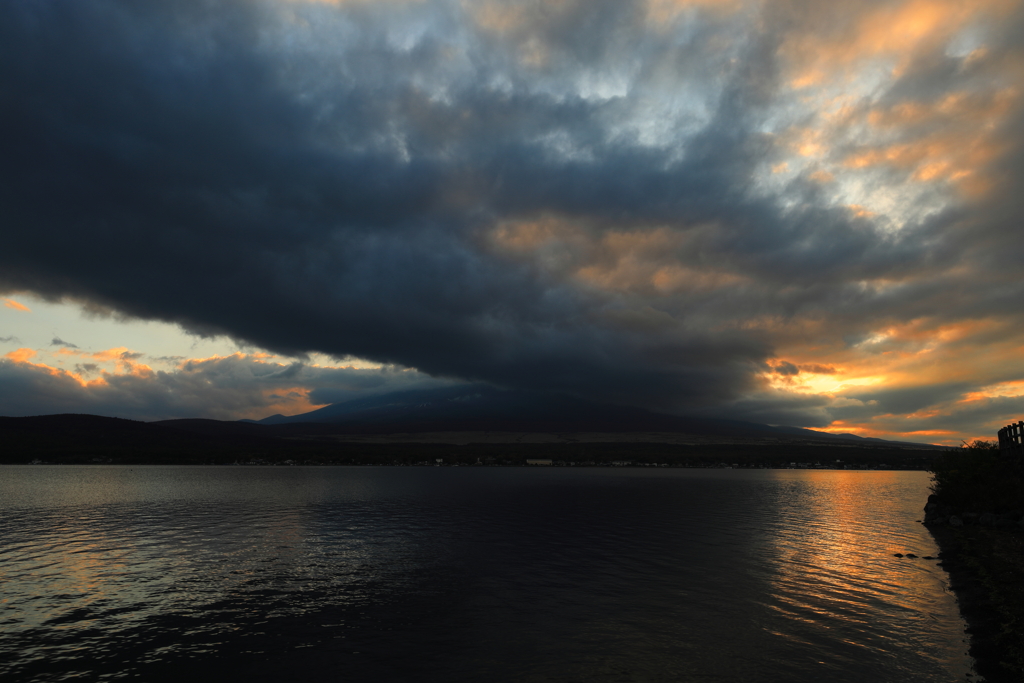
point(991, 645)
point(911, 556)
point(897, 554)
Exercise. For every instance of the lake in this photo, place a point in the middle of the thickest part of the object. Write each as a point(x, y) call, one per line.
point(471, 574)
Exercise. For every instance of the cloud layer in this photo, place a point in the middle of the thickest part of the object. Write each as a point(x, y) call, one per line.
point(117, 382)
point(789, 212)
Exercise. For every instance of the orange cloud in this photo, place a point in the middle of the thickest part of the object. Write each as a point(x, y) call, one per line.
point(912, 355)
point(347, 2)
point(954, 139)
point(955, 156)
point(661, 12)
point(24, 356)
point(21, 355)
point(859, 211)
point(11, 303)
point(926, 435)
point(115, 354)
point(290, 401)
point(905, 354)
point(1000, 389)
point(499, 17)
point(260, 358)
point(522, 23)
point(824, 49)
point(651, 260)
point(822, 176)
point(121, 357)
point(528, 236)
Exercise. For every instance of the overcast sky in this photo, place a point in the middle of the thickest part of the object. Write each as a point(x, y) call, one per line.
point(800, 213)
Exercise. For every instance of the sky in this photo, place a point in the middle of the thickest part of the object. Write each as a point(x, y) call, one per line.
point(790, 212)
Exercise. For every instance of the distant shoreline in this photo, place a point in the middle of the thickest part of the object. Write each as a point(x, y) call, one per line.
point(422, 464)
point(542, 455)
point(84, 439)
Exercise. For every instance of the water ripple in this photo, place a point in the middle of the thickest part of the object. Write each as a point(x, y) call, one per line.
point(497, 574)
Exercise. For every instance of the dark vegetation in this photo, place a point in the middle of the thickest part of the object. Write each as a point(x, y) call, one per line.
point(976, 516)
point(978, 477)
point(86, 439)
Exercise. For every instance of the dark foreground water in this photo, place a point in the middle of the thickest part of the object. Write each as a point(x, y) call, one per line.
point(470, 574)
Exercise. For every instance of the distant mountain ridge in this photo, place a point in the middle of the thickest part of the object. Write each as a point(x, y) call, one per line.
point(93, 439)
point(481, 407)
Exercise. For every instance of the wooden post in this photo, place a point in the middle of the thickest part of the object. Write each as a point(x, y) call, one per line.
point(1011, 439)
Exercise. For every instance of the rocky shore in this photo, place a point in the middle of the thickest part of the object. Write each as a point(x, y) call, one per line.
point(983, 553)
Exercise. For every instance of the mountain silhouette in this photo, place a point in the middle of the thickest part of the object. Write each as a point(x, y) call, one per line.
point(482, 407)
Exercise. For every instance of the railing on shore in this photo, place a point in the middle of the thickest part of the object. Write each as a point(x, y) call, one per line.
point(1011, 439)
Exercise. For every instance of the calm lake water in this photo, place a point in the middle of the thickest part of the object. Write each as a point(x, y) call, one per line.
point(470, 574)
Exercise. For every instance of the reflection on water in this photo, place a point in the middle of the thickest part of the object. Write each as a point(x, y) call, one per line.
point(832, 573)
point(470, 573)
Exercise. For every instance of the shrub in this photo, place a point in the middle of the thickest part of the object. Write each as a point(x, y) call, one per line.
point(979, 478)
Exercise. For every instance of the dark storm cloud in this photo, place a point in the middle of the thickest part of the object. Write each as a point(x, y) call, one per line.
point(319, 178)
point(818, 369)
point(786, 368)
point(913, 399)
point(159, 165)
point(780, 408)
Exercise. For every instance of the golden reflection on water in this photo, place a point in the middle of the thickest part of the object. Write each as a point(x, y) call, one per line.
point(79, 572)
point(831, 558)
